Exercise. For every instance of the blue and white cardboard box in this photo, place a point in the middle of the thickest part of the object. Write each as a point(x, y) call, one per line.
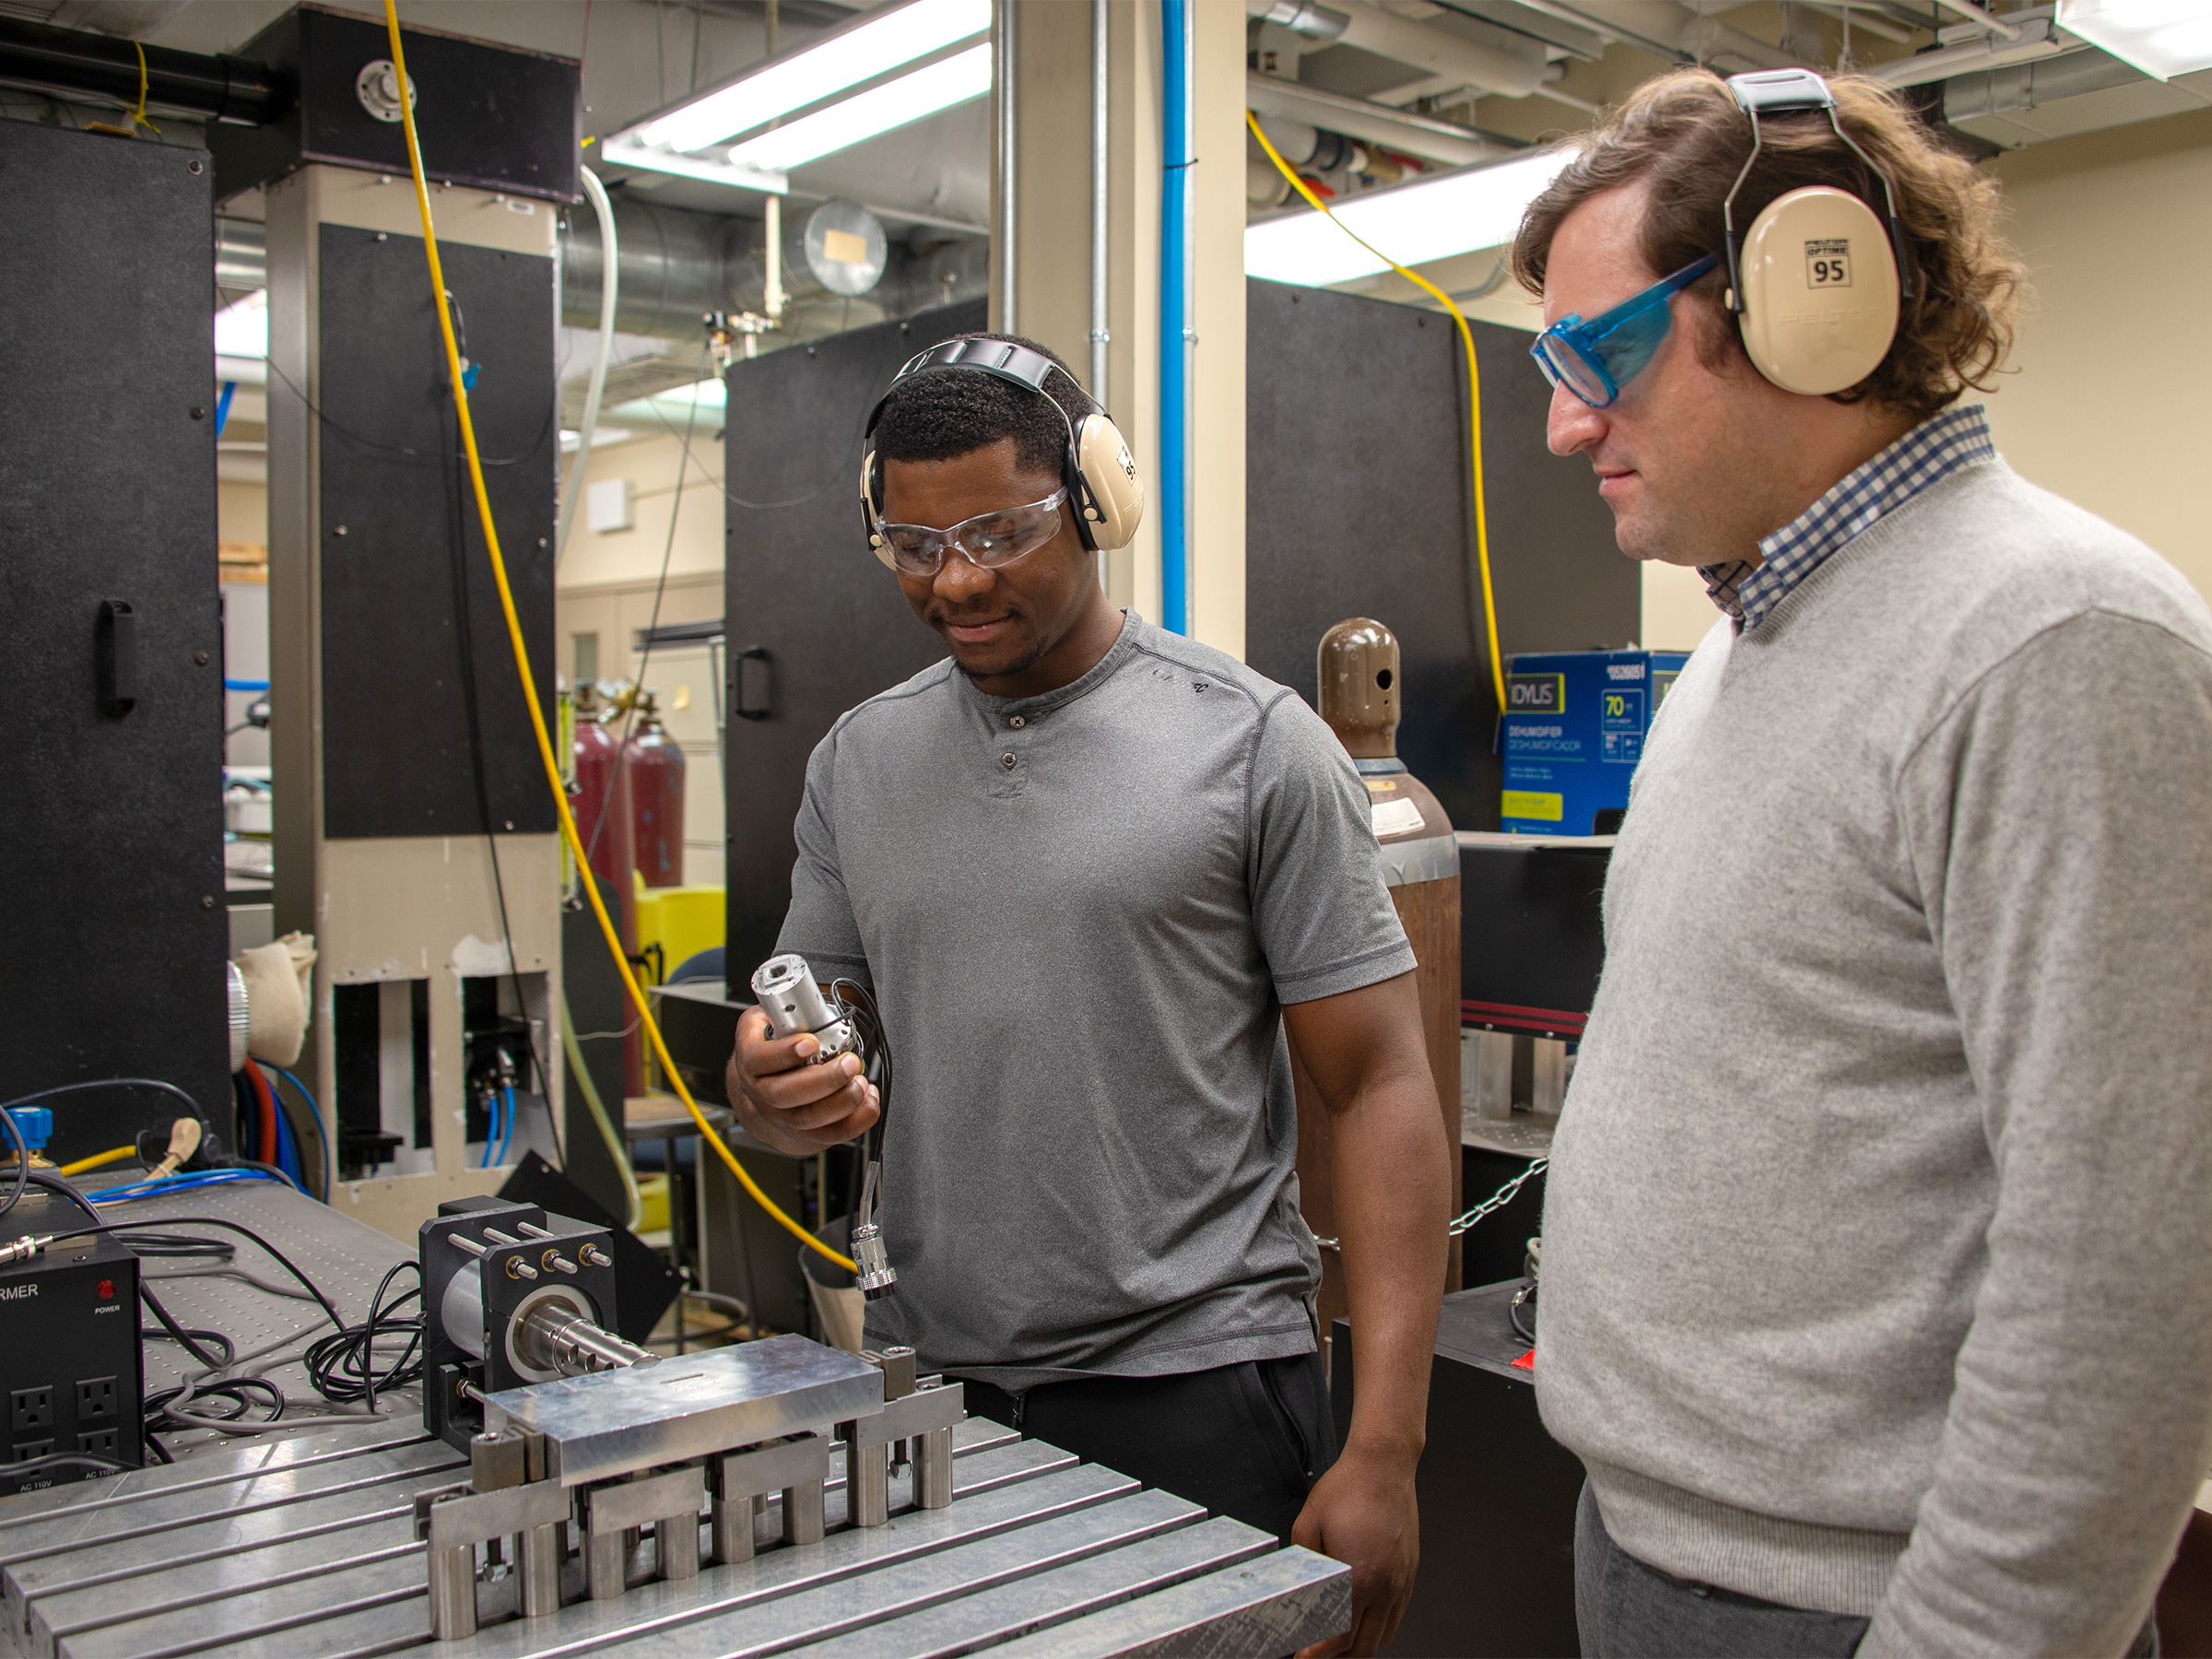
point(1575, 722)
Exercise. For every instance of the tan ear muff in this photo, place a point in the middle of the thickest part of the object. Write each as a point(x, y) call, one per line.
point(1819, 291)
point(1109, 474)
point(867, 510)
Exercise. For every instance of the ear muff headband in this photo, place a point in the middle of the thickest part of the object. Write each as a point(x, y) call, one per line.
point(1097, 467)
point(1817, 281)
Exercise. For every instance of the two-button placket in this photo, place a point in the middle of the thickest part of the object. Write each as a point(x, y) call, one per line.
point(1010, 760)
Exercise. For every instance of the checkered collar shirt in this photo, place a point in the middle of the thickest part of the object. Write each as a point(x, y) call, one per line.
point(1937, 446)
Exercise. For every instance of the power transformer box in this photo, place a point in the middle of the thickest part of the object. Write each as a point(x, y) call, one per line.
point(1575, 722)
point(70, 1375)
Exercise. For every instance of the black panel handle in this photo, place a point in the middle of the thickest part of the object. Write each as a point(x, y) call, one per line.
point(753, 683)
point(117, 651)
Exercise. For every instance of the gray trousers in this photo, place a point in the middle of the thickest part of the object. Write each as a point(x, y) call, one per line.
point(1630, 1611)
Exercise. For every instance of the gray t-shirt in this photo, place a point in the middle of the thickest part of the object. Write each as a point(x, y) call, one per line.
point(1082, 913)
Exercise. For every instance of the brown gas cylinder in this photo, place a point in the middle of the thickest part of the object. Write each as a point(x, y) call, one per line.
point(1360, 685)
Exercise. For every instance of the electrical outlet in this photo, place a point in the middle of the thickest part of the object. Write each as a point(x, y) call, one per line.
point(30, 1408)
point(101, 1443)
point(95, 1399)
point(27, 1450)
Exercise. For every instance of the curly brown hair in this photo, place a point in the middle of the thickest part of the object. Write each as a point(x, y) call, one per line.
point(1684, 134)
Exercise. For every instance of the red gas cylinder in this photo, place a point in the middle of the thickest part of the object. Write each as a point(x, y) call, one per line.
point(656, 792)
point(607, 821)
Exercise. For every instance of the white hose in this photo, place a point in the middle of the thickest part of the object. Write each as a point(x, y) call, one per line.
point(610, 284)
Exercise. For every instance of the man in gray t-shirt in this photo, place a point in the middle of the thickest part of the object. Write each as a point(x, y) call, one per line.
point(1099, 878)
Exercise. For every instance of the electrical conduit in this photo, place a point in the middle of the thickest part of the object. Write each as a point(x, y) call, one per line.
point(522, 662)
point(1178, 290)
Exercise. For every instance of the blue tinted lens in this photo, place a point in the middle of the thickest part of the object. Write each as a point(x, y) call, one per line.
point(1628, 348)
point(1563, 365)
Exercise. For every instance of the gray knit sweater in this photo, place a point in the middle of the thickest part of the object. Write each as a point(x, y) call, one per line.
point(1878, 1267)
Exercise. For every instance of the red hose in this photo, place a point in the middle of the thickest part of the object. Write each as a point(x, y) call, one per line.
point(266, 1097)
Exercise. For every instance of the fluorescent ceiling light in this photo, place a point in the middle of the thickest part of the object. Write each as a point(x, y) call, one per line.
point(2162, 38)
point(671, 407)
point(624, 153)
point(954, 81)
point(241, 328)
point(1415, 224)
point(602, 438)
point(821, 71)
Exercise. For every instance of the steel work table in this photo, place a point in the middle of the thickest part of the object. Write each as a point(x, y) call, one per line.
point(305, 1546)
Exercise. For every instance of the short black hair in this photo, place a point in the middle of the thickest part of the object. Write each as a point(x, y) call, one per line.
point(940, 412)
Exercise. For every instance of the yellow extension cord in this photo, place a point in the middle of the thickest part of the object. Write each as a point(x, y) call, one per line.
point(522, 663)
point(1467, 339)
point(101, 1160)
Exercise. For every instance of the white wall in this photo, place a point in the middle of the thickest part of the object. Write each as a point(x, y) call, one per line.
point(2108, 406)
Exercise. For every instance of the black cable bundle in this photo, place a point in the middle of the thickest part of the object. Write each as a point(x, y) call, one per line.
point(344, 1366)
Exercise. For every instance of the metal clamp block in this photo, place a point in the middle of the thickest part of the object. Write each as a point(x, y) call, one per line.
point(925, 1417)
point(797, 1468)
point(669, 1503)
point(454, 1520)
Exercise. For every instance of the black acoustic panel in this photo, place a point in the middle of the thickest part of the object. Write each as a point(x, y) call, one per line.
point(803, 586)
point(592, 1000)
point(494, 116)
point(116, 925)
point(1358, 501)
point(411, 618)
point(1532, 935)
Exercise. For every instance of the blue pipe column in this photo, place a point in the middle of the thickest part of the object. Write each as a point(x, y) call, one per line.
point(1177, 296)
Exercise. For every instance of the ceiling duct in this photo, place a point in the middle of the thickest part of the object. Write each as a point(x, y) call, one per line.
point(1441, 141)
point(68, 62)
point(678, 265)
point(1432, 51)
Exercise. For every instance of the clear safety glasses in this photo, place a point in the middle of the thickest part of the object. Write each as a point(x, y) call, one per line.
point(986, 541)
point(1597, 358)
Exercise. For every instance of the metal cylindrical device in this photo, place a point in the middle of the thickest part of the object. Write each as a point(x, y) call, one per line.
point(932, 1469)
point(606, 1564)
point(552, 1337)
point(540, 1570)
point(675, 1545)
point(867, 1485)
point(795, 1006)
point(452, 1593)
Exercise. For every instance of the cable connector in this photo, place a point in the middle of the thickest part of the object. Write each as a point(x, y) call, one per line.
point(184, 1141)
point(876, 1276)
point(23, 1248)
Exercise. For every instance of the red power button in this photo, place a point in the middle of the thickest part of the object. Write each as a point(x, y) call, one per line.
point(106, 1289)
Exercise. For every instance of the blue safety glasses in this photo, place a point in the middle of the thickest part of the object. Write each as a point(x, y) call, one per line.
point(1597, 358)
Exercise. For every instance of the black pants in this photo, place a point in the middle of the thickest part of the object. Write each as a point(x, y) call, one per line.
point(1246, 1440)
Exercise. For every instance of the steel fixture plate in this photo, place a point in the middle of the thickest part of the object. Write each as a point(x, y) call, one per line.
point(609, 1423)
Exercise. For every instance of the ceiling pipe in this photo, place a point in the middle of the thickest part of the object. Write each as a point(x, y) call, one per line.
point(1422, 135)
point(1428, 48)
point(68, 62)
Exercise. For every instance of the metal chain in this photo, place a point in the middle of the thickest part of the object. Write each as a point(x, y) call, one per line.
point(1495, 1201)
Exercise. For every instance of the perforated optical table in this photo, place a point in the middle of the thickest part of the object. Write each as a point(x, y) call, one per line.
point(307, 1546)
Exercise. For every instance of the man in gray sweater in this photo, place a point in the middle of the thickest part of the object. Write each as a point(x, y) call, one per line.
point(1877, 1277)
